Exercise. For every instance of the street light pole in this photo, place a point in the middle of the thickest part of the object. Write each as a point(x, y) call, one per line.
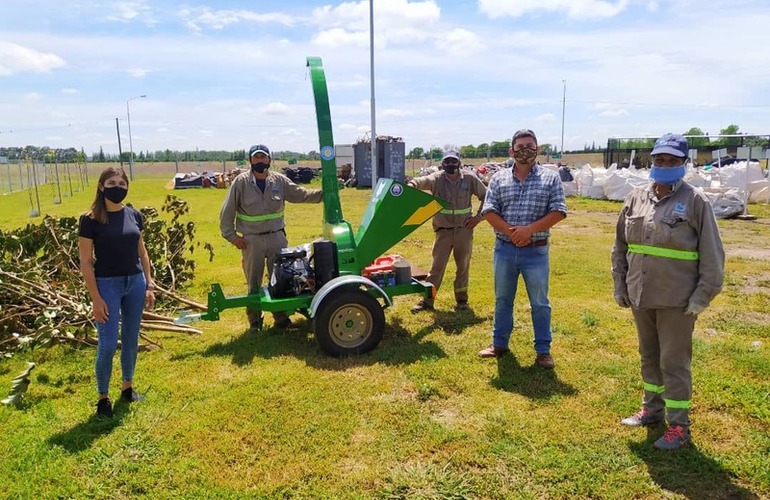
point(563, 107)
point(130, 141)
point(371, 82)
point(120, 147)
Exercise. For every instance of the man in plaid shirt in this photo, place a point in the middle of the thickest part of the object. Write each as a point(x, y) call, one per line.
point(522, 204)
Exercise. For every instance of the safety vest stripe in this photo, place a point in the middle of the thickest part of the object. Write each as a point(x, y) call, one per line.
point(679, 405)
point(459, 211)
point(259, 218)
point(668, 253)
point(657, 389)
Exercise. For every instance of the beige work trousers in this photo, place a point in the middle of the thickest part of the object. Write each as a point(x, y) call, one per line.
point(665, 346)
point(458, 242)
point(261, 249)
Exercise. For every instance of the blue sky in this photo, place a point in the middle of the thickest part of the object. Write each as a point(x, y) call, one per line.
point(228, 74)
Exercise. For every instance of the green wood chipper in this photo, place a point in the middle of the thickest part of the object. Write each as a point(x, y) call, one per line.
point(330, 286)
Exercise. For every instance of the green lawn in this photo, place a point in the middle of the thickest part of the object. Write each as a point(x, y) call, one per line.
point(233, 414)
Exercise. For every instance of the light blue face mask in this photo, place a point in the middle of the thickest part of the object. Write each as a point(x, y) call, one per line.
point(667, 175)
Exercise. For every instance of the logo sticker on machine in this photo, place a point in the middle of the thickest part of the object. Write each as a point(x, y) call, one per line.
point(396, 189)
point(327, 152)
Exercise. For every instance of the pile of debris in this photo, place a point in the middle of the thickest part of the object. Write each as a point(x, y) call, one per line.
point(44, 300)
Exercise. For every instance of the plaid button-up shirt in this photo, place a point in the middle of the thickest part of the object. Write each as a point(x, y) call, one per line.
point(521, 203)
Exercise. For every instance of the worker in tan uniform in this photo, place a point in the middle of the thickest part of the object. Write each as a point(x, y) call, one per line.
point(667, 265)
point(252, 219)
point(453, 225)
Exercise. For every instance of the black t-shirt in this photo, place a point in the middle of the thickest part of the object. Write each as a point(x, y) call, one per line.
point(116, 244)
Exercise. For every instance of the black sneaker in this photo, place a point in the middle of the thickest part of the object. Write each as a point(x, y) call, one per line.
point(130, 395)
point(104, 408)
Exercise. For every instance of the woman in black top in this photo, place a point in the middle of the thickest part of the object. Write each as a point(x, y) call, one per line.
point(118, 275)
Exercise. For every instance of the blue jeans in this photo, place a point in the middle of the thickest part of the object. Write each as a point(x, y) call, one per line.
point(124, 296)
point(532, 263)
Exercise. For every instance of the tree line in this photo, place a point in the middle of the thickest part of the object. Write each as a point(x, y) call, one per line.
point(494, 149)
point(704, 142)
point(40, 153)
point(499, 149)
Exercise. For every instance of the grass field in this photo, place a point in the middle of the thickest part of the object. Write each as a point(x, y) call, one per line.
point(233, 414)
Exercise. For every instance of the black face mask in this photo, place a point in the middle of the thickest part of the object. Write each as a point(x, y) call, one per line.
point(259, 167)
point(115, 194)
point(450, 169)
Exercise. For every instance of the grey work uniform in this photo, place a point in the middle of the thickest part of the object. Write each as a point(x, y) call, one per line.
point(667, 253)
point(258, 217)
point(449, 225)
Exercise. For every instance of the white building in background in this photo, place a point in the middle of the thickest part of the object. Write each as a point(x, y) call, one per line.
point(343, 156)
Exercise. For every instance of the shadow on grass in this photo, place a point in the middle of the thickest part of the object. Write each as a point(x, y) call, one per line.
point(82, 435)
point(397, 347)
point(687, 471)
point(455, 322)
point(532, 381)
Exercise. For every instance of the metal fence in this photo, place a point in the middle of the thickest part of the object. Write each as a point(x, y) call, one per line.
point(43, 180)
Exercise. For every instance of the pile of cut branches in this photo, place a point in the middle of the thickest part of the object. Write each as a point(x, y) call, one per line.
point(43, 299)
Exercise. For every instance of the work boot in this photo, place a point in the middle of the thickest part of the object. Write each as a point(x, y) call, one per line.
point(422, 306)
point(675, 437)
point(643, 417)
point(254, 319)
point(493, 352)
point(281, 320)
point(544, 360)
point(462, 306)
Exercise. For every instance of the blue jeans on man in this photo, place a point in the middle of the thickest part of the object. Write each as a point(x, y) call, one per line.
point(124, 296)
point(532, 264)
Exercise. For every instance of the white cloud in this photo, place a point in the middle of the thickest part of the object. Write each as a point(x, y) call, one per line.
point(338, 37)
point(15, 58)
point(203, 17)
point(578, 9)
point(138, 72)
point(459, 42)
point(125, 12)
point(614, 112)
point(69, 91)
point(293, 132)
point(276, 108)
point(544, 118)
point(396, 113)
point(396, 22)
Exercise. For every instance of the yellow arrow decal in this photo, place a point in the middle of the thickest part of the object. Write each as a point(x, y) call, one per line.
point(423, 213)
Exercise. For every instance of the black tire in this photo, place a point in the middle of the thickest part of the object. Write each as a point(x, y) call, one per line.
point(349, 321)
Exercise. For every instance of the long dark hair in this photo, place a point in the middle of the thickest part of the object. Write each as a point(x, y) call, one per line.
point(98, 209)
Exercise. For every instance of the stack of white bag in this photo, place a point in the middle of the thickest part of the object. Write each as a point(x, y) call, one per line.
point(620, 182)
point(590, 181)
point(725, 187)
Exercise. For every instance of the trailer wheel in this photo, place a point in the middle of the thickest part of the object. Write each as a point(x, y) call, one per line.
point(349, 321)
